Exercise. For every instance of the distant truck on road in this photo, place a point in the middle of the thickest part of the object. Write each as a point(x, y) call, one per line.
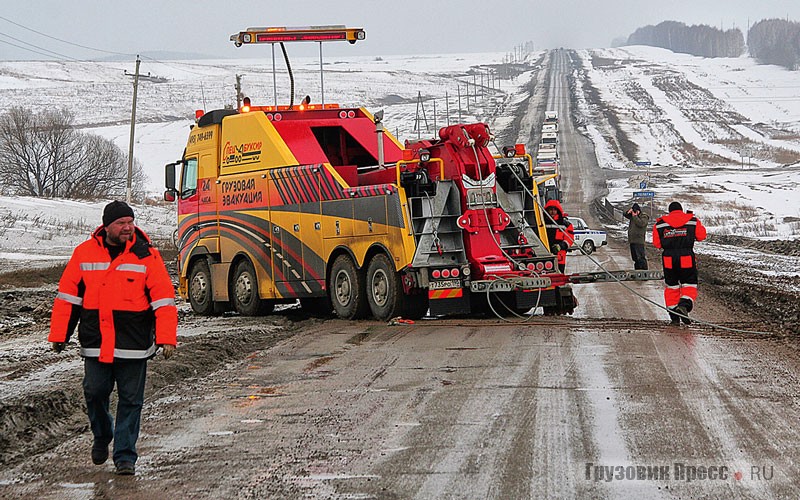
point(549, 138)
point(551, 116)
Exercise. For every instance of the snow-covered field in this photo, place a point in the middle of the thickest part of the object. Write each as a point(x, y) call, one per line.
point(744, 192)
point(721, 135)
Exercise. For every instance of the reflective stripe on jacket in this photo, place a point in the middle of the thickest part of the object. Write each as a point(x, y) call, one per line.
point(675, 234)
point(126, 306)
point(561, 233)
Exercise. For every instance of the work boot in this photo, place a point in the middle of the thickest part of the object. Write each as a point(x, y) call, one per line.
point(99, 453)
point(674, 319)
point(126, 469)
point(684, 314)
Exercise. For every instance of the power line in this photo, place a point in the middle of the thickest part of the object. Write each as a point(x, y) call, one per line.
point(63, 41)
point(36, 46)
point(30, 50)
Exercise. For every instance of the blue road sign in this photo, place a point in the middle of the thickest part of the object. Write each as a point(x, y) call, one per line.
point(643, 185)
point(644, 194)
point(642, 163)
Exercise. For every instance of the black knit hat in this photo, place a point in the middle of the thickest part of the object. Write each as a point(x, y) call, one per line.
point(675, 206)
point(116, 210)
point(636, 207)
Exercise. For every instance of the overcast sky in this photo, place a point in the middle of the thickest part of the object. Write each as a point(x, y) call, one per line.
point(399, 27)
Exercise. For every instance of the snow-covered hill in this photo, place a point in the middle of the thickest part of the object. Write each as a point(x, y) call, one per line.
point(717, 131)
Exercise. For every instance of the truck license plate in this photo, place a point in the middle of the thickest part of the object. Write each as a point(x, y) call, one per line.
point(440, 285)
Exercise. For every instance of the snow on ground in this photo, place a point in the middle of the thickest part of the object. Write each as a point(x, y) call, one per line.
point(753, 198)
point(38, 232)
point(99, 95)
point(738, 113)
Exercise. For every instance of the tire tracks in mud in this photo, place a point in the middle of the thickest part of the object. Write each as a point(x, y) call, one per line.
point(35, 421)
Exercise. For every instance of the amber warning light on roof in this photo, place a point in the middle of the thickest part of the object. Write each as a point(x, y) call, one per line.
point(298, 34)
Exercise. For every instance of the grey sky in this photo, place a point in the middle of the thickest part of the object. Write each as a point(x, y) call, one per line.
point(401, 27)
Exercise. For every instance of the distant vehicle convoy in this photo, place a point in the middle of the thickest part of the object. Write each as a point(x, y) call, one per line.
point(587, 239)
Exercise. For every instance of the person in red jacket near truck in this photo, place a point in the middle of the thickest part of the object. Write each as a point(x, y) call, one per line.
point(560, 232)
point(118, 293)
point(675, 234)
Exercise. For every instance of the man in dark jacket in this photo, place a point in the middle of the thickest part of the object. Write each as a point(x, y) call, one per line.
point(560, 232)
point(636, 230)
point(117, 286)
point(675, 234)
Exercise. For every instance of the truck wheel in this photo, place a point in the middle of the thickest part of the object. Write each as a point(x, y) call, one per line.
point(384, 289)
point(588, 246)
point(200, 296)
point(245, 292)
point(346, 285)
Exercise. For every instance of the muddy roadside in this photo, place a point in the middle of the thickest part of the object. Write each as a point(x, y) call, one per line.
point(41, 400)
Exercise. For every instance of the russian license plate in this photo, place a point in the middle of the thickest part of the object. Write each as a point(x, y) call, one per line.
point(440, 285)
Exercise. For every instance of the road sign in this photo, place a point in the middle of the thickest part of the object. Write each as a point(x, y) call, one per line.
point(642, 163)
point(643, 185)
point(644, 194)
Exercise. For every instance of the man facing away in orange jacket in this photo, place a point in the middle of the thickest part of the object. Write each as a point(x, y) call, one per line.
point(675, 234)
point(117, 291)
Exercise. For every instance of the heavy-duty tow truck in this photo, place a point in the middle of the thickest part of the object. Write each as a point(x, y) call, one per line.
point(320, 203)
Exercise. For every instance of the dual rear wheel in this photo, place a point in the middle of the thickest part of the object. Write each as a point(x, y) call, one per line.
point(354, 293)
point(378, 289)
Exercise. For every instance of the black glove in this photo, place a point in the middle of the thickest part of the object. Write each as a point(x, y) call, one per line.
point(555, 248)
point(58, 346)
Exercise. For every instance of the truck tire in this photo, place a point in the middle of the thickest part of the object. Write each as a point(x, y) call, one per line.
point(200, 292)
point(588, 247)
point(346, 286)
point(244, 292)
point(384, 288)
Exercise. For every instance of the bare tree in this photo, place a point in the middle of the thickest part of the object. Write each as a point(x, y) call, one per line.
point(42, 154)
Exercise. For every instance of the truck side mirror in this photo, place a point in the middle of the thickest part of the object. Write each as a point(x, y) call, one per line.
point(169, 195)
point(169, 176)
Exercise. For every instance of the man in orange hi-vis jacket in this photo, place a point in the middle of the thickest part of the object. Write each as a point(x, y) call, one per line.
point(675, 234)
point(117, 287)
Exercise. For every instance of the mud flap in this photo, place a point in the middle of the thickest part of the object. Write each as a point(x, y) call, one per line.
point(560, 301)
point(450, 306)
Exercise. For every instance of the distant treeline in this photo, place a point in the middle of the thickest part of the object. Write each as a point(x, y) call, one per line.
point(775, 41)
point(771, 41)
point(699, 40)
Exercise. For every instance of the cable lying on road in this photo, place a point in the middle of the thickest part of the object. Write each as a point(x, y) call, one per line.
point(613, 276)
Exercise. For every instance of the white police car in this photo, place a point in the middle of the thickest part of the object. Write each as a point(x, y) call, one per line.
point(587, 239)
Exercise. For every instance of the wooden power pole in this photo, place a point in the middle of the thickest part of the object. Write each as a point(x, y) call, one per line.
point(133, 127)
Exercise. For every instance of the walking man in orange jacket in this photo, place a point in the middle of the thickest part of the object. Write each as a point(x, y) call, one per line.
point(675, 234)
point(116, 289)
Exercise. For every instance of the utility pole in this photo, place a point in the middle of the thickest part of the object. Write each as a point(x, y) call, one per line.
point(133, 127)
point(238, 91)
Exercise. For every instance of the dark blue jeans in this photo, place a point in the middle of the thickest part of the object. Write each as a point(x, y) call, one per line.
point(638, 256)
point(98, 382)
